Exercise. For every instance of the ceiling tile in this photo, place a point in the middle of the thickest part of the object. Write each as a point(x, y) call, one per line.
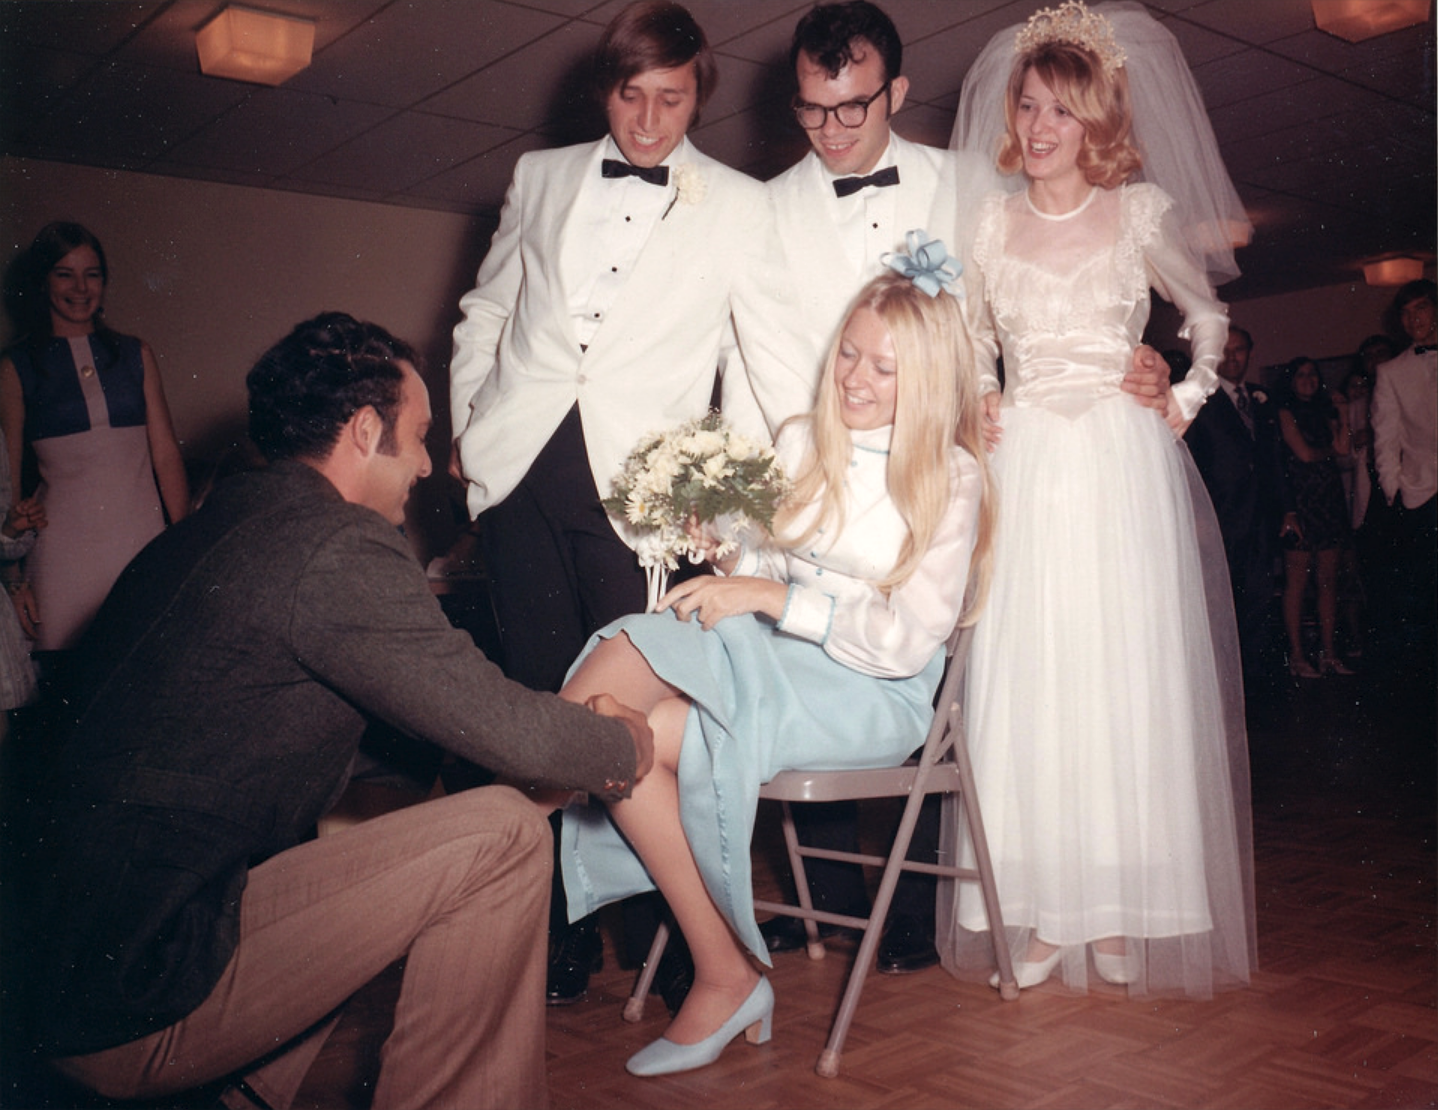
point(129, 114)
point(408, 148)
point(543, 81)
point(274, 131)
point(408, 51)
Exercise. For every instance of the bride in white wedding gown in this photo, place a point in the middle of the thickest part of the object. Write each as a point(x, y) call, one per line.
point(1103, 699)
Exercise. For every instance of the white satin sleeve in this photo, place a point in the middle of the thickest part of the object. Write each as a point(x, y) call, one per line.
point(986, 240)
point(1181, 280)
point(896, 636)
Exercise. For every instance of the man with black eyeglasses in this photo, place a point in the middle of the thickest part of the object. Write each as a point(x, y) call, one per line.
point(841, 207)
point(861, 188)
point(850, 200)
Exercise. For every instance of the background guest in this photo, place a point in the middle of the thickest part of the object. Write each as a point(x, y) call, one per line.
point(1360, 481)
point(1374, 351)
point(22, 519)
point(1315, 432)
point(1405, 448)
point(1235, 446)
point(89, 401)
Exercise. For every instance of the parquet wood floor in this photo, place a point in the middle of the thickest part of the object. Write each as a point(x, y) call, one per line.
point(1340, 1014)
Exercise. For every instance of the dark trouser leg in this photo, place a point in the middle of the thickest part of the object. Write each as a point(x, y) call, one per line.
point(835, 887)
point(559, 573)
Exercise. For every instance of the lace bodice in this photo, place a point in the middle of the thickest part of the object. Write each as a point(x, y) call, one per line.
point(1066, 298)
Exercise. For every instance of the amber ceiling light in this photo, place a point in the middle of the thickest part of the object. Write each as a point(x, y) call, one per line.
point(1393, 271)
point(248, 45)
point(1357, 20)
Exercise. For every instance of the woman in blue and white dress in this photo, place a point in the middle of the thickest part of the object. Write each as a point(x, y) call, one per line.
point(821, 649)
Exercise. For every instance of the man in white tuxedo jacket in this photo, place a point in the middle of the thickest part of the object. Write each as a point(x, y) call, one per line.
point(1405, 450)
point(620, 272)
point(846, 203)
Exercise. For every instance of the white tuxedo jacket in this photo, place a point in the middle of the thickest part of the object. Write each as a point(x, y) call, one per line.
point(821, 273)
point(517, 365)
point(1405, 427)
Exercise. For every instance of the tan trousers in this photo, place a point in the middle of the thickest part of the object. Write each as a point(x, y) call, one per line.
point(459, 887)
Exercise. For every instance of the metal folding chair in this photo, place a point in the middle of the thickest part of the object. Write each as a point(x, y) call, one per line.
point(941, 767)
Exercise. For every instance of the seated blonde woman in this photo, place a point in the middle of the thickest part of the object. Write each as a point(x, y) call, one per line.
point(823, 648)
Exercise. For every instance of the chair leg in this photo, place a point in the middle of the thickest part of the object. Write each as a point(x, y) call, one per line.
point(815, 946)
point(634, 1007)
point(828, 1064)
point(969, 799)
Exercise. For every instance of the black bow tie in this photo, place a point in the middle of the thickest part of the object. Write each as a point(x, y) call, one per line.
point(655, 175)
point(1423, 350)
point(846, 186)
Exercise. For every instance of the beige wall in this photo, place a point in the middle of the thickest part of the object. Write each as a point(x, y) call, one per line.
point(210, 275)
point(1321, 323)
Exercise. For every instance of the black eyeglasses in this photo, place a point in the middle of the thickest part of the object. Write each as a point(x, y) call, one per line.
point(851, 113)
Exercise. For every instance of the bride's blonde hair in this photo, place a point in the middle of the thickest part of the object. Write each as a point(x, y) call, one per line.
point(1107, 156)
point(937, 405)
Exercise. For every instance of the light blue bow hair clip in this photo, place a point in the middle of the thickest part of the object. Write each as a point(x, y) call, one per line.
point(927, 263)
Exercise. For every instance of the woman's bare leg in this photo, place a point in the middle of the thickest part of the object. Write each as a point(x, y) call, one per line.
point(1295, 582)
point(616, 667)
point(1326, 579)
point(649, 818)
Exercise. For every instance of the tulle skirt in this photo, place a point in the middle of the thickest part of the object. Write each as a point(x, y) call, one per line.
point(1105, 715)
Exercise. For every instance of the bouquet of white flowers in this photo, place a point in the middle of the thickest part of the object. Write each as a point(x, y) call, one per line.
point(701, 471)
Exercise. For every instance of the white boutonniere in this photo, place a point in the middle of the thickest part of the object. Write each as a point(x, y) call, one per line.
point(689, 186)
point(1259, 396)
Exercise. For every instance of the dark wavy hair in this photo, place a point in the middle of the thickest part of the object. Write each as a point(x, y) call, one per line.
point(654, 34)
point(827, 34)
point(305, 388)
point(1320, 401)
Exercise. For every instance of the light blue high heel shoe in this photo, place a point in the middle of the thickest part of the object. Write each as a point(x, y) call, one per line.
point(754, 1016)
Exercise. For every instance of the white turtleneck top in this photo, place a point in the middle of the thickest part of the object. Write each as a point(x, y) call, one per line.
point(833, 600)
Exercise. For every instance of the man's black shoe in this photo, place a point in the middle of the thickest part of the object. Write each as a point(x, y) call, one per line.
point(674, 975)
point(574, 955)
point(907, 946)
point(786, 934)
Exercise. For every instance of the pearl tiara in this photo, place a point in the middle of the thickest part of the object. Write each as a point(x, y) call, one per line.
point(1072, 22)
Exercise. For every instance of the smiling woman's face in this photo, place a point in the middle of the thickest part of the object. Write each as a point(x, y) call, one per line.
point(866, 372)
point(76, 288)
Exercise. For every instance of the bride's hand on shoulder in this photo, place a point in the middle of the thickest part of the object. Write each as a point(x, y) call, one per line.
point(712, 599)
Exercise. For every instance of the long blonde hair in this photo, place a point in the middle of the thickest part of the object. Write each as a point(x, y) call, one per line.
point(937, 405)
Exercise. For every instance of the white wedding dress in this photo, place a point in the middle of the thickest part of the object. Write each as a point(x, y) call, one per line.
point(1103, 701)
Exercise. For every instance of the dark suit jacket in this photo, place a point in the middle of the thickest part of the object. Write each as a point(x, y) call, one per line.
point(1243, 473)
point(223, 690)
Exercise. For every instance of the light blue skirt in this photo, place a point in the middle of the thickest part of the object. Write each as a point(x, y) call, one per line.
point(763, 702)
